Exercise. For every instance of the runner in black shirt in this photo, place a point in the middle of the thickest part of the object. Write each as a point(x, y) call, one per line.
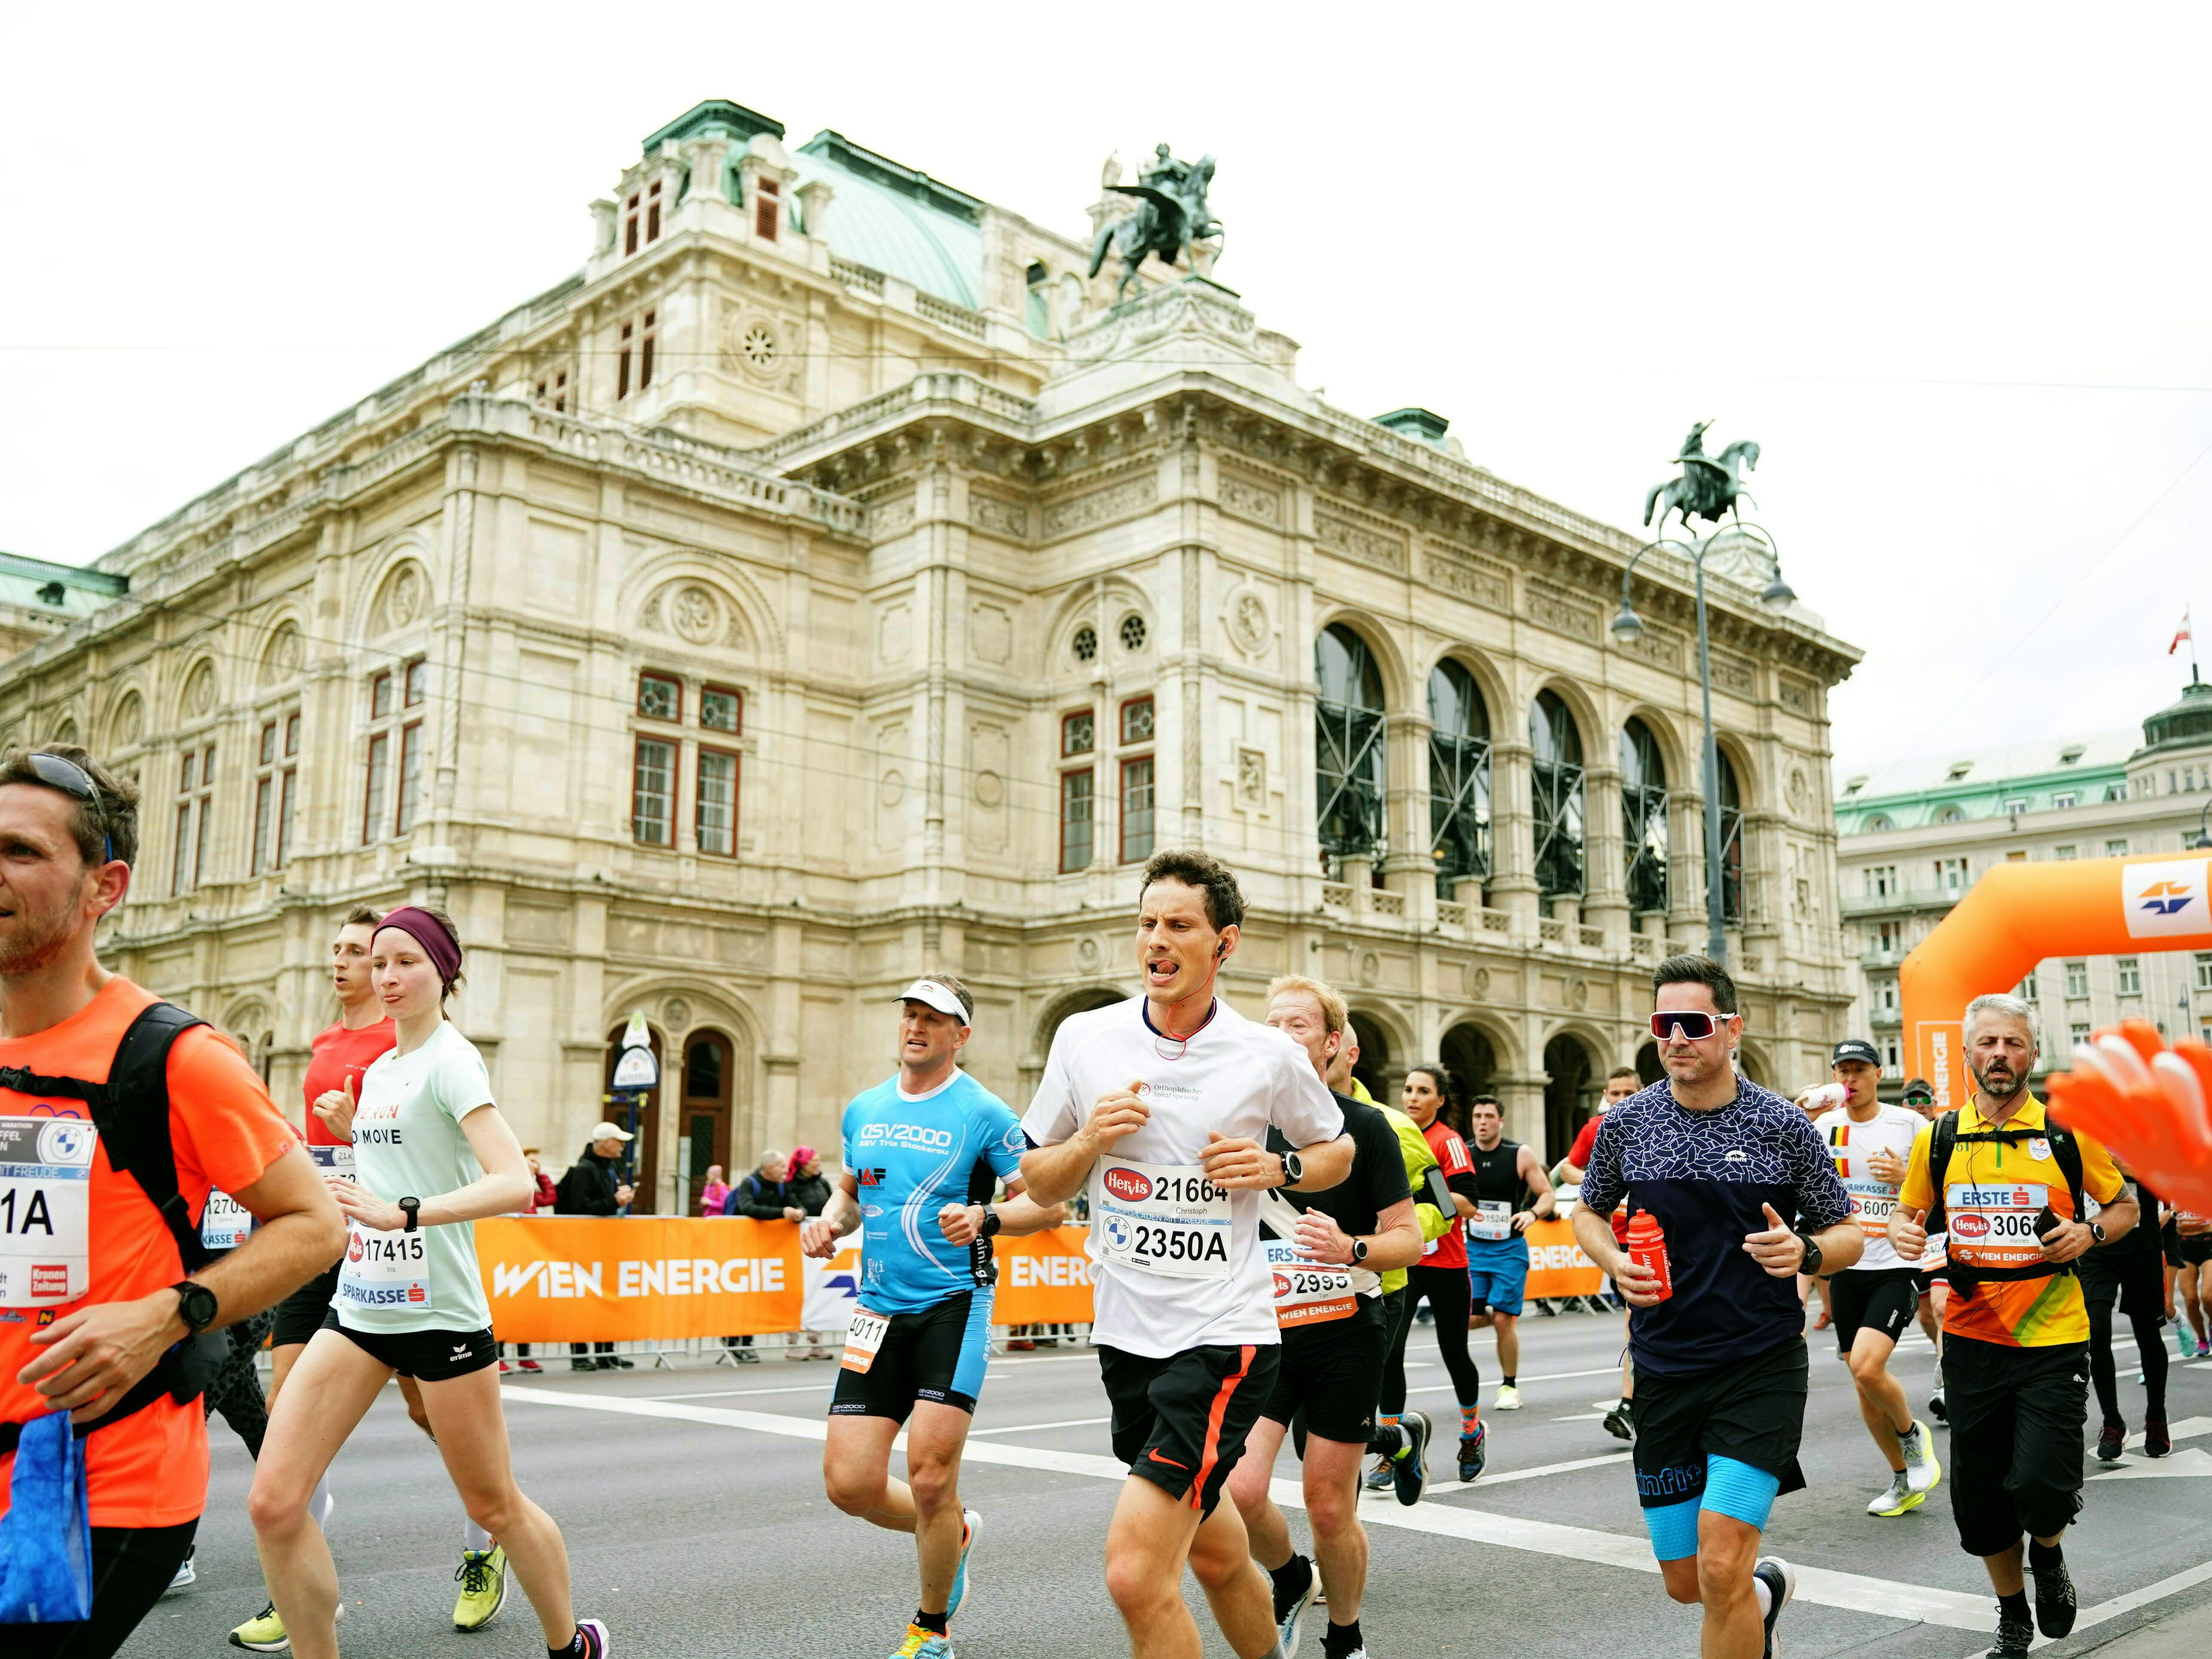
point(1329, 1249)
point(1721, 1378)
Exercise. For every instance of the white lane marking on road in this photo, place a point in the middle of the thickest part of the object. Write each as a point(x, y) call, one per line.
point(1026, 1428)
point(2191, 1461)
point(1556, 1377)
point(1536, 1474)
point(740, 1394)
point(2187, 1578)
point(1882, 1597)
point(2187, 1429)
point(1584, 1417)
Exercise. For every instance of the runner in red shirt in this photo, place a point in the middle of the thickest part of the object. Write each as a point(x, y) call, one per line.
point(95, 1306)
point(1620, 1082)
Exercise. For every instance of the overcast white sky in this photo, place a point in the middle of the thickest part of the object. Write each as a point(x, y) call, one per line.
point(1948, 265)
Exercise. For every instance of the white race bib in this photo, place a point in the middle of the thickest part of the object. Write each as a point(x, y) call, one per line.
point(225, 1223)
point(333, 1160)
point(1308, 1292)
point(384, 1271)
point(1873, 1202)
point(1493, 1220)
point(46, 1210)
point(863, 1340)
point(1993, 1225)
point(1164, 1217)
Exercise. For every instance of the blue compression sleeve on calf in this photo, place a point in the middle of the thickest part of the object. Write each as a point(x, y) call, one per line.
point(1740, 1491)
point(1673, 1530)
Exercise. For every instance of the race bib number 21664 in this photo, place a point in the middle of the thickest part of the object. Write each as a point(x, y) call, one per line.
point(1164, 1217)
point(46, 1210)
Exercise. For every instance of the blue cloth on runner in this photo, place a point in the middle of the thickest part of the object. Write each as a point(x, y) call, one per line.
point(910, 1158)
point(46, 1537)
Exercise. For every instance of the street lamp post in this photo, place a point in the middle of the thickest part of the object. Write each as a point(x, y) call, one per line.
point(1628, 627)
point(2204, 840)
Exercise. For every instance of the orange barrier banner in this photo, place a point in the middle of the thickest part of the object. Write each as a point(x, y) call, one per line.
point(621, 1279)
point(1557, 1266)
point(1044, 1278)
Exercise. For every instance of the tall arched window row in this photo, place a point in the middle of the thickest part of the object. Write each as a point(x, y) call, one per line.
point(1348, 747)
point(1557, 795)
point(1731, 841)
point(1459, 779)
point(1643, 818)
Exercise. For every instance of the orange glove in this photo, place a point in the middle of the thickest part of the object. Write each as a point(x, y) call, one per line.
point(2149, 1103)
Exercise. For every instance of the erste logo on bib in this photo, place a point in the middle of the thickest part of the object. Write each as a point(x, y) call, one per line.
point(1128, 1186)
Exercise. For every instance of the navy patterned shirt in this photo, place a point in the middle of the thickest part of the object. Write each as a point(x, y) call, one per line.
point(1703, 1175)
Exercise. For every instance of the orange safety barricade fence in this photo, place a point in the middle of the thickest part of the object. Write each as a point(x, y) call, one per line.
point(626, 1279)
point(1044, 1278)
point(1557, 1266)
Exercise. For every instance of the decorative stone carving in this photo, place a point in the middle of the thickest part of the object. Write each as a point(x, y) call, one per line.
point(406, 595)
point(1351, 541)
point(1248, 629)
point(695, 614)
point(199, 691)
point(1251, 501)
point(752, 346)
point(1088, 953)
point(1578, 993)
point(129, 724)
point(990, 789)
point(1659, 648)
point(1478, 980)
point(1252, 778)
point(1370, 967)
point(1797, 696)
point(1795, 790)
point(1470, 578)
point(1736, 673)
point(1118, 501)
point(281, 662)
point(676, 1012)
point(1561, 611)
point(890, 518)
point(999, 518)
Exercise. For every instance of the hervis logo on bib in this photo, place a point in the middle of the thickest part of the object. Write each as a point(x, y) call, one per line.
point(1969, 1226)
point(1128, 1186)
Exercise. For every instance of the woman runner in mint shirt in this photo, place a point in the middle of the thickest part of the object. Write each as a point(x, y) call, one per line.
point(431, 1154)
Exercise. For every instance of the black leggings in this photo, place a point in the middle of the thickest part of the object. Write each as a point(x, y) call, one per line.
point(131, 1568)
point(236, 1390)
point(1448, 1299)
point(2150, 1348)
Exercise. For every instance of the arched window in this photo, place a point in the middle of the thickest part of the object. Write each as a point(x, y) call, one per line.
point(1459, 778)
point(1731, 841)
point(1556, 788)
point(1038, 311)
point(1348, 747)
point(1643, 816)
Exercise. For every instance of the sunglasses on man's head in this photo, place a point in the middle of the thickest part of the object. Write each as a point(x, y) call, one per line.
point(1691, 1024)
point(71, 780)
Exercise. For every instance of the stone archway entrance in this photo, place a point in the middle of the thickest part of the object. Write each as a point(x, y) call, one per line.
point(1472, 1058)
point(1571, 1089)
point(1376, 1066)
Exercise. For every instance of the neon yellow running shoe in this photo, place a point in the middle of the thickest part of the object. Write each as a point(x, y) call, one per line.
point(923, 1643)
point(482, 1575)
point(263, 1633)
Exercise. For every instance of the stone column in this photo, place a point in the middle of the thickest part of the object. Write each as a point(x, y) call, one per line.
point(1521, 1102)
point(1686, 872)
point(1410, 870)
point(1513, 826)
point(1605, 864)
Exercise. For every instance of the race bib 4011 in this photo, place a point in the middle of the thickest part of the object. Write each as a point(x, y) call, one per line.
point(46, 1210)
point(1164, 1217)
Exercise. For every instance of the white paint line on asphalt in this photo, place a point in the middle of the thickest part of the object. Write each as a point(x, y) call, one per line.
point(1882, 1597)
point(2189, 1461)
point(1028, 1428)
point(1556, 1377)
point(2188, 1579)
point(1539, 1471)
point(740, 1394)
point(2188, 1429)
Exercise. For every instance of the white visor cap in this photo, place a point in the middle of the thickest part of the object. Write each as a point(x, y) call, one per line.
point(932, 994)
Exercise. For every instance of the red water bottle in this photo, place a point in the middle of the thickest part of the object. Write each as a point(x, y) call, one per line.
point(1647, 1248)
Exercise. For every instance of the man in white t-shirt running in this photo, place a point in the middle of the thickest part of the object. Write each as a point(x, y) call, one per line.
point(1874, 1299)
point(1162, 1105)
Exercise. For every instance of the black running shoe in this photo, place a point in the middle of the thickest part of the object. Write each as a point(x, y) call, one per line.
point(1936, 1408)
point(2110, 1439)
point(1291, 1610)
point(2158, 1439)
point(1621, 1422)
point(2013, 1638)
point(1473, 1452)
point(2054, 1597)
point(1781, 1580)
point(1409, 1474)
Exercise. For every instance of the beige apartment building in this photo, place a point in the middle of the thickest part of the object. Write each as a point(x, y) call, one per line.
point(1916, 835)
point(829, 582)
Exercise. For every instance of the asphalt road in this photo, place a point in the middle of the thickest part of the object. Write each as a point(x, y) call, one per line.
point(692, 1505)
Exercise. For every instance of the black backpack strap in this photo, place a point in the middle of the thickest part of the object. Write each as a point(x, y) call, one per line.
point(132, 1115)
point(1943, 1136)
point(2065, 1152)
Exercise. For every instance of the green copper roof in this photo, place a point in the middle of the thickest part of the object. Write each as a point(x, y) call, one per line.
point(1423, 423)
point(898, 220)
point(716, 114)
point(2185, 725)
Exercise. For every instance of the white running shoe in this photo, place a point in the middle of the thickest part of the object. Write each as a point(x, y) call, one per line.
point(1781, 1584)
point(1922, 1470)
point(186, 1576)
point(1508, 1398)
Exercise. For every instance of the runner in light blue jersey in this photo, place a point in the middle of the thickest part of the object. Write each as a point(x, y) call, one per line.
point(924, 1152)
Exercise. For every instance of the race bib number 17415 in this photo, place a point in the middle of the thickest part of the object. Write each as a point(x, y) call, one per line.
point(46, 1210)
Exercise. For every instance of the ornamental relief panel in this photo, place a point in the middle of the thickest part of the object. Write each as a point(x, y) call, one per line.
point(1340, 535)
point(1119, 500)
point(404, 599)
point(1000, 518)
point(1660, 647)
point(1561, 611)
point(1250, 628)
point(696, 612)
point(1738, 674)
point(1248, 499)
point(890, 518)
point(1468, 576)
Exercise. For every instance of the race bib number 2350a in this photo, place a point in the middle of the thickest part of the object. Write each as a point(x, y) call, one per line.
point(46, 1210)
point(1164, 1217)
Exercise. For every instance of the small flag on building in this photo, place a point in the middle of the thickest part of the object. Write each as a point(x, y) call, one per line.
point(2181, 633)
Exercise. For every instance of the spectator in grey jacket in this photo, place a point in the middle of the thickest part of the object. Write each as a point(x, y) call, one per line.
point(594, 1186)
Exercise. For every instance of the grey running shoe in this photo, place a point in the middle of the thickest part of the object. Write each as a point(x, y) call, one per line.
point(2014, 1638)
point(1922, 1469)
point(2054, 1606)
point(1409, 1472)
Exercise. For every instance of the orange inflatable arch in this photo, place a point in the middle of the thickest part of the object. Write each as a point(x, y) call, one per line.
point(2019, 914)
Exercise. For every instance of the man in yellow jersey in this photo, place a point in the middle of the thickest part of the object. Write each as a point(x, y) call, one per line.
point(2009, 1186)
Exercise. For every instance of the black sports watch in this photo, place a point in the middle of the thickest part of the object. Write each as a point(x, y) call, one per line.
point(991, 1222)
point(196, 1305)
point(2097, 1231)
point(1293, 1170)
point(1358, 1251)
point(1810, 1266)
point(412, 1209)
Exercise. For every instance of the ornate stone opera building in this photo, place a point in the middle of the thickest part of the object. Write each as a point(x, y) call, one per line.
point(830, 581)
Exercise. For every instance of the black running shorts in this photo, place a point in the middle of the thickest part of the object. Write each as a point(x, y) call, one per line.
point(301, 1314)
point(1886, 1299)
point(1334, 1373)
point(938, 1355)
point(1181, 1422)
point(426, 1356)
point(2191, 1249)
point(2016, 1421)
point(1751, 1410)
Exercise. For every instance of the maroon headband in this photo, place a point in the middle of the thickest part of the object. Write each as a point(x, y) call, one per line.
point(427, 931)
